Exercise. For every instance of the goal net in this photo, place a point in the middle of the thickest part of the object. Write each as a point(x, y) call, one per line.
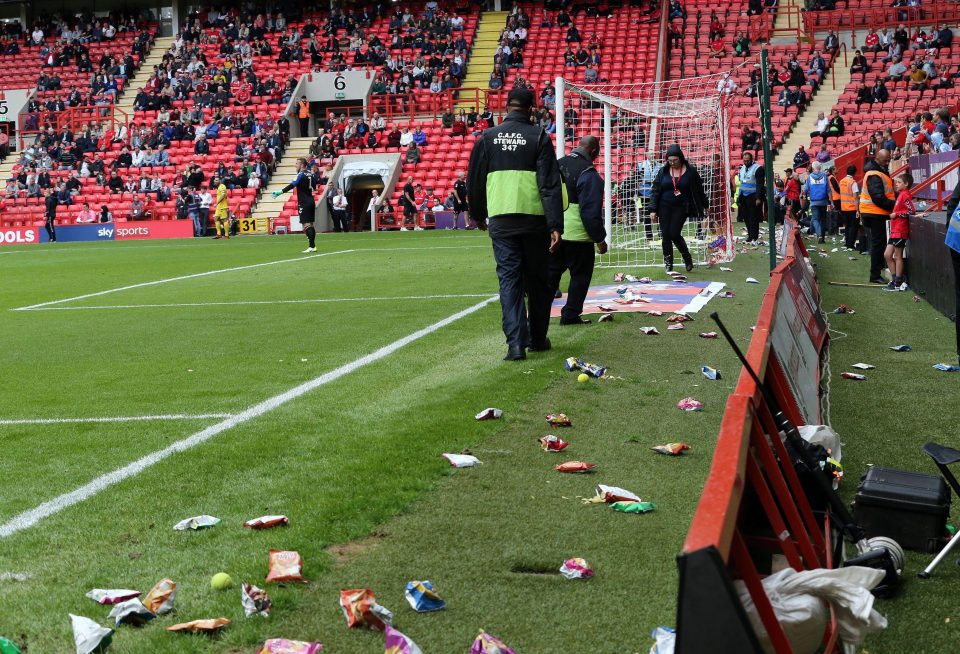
point(636, 123)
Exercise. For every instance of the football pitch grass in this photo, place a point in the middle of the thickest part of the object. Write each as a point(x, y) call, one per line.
point(402, 345)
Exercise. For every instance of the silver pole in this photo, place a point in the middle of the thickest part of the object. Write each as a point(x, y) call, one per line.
point(559, 111)
point(607, 173)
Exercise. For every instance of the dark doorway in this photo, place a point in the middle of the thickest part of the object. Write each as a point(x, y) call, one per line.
point(361, 190)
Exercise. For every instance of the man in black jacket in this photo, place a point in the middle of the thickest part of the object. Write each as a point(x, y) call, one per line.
point(582, 228)
point(876, 202)
point(50, 214)
point(514, 181)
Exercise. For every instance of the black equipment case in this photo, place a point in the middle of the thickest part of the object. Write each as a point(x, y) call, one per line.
point(910, 507)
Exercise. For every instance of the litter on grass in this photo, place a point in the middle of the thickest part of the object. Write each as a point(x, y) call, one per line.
point(650, 331)
point(111, 596)
point(946, 367)
point(15, 576)
point(489, 414)
point(489, 644)
point(611, 494)
point(131, 612)
point(619, 277)
point(461, 460)
point(573, 364)
point(671, 449)
point(8, 647)
point(285, 566)
point(690, 404)
point(160, 598)
point(422, 598)
point(551, 443)
point(267, 521)
point(284, 646)
point(607, 317)
point(854, 376)
point(255, 601)
point(726, 295)
point(606, 308)
point(655, 313)
point(633, 507)
point(666, 638)
point(559, 420)
point(360, 608)
point(575, 466)
point(843, 308)
point(675, 327)
point(863, 366)
point(679, 317)
point(397, 643)
point(708, 334)
point(900, 348)
point(710, 373)
point(88, 636)
point(725, 269)
point(197, 522)
point(751, 280)
point(576, 569)
point(205, 626)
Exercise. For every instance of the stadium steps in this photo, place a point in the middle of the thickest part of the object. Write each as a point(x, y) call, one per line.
point(6, 168)
point(824, 99)
point(154, 58)
point(785, 20)
point(485, 42)
point(267, 206)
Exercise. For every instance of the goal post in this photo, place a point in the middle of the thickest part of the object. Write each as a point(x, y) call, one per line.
point(635, 124)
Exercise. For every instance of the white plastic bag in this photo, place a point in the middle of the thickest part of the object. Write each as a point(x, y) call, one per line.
point(824, 436)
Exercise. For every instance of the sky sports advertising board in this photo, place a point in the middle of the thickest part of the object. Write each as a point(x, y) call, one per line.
point(129, 231)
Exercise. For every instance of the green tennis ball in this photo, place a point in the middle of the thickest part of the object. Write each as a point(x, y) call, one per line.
point(583, 378)
point(221, 581)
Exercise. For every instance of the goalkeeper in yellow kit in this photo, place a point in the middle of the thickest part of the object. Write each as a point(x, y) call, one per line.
point(222, 210)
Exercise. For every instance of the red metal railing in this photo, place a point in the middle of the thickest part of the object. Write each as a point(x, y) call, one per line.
point(924, 16)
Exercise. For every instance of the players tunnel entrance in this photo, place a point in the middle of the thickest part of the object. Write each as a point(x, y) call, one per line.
point(361, 188)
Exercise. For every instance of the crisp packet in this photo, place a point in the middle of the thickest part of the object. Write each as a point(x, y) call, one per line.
point(946, 367)
point(679, 317)
point(633, 507)
point(489, 414)
point(422, 598)
point(900, 348)
point(619, 277)
point(690, 404)
point(843, 308)
point(360, 608)
point(606, 307)
point(160, 598)
point(285, 566)
point(710, 373)
point(708, 334)
point(88, 636)
point(675, 327)
point(559, 420)
point(607, 317)
point(284, 646)
point(111, 596)
point(573, 364)
point(751, 280)
point(612, 494)
point(854, 376)
point(131, 612)
point(575, 466)
point(255, 601)
point(8, 647)
point(655, 313)
point(197, 522)
point(724, 269)
point(576, 569)
point(551, 443)
point(397, 643)
point(717, 243)
point(643, 280)
point(631, 278)
point(673, 449)
point(489, 644)
point(267, 521)
point(461, 460)
point(863, 366)
point(208, 625)
point(650, 331)
point(726, 295)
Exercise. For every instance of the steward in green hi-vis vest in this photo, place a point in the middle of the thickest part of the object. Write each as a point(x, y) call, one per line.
point(513, 181)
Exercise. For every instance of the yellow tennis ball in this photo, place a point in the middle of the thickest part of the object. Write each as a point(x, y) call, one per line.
point(221, 581)
point(583, 378)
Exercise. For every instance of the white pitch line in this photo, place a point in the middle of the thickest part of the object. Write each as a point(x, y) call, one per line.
point(256, 302)
point(31, 517)
point(179, 278)
point(57, 421)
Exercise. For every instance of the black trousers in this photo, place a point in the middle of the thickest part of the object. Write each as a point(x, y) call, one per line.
point(750, 213)
point(578, 257)
point(48, 224)
point(340, 223)
point(204, 221)
point(850, 228)
point(522, 268)
point(955, 257)
point(876, 227)
point(672, 219)
point(304, 126)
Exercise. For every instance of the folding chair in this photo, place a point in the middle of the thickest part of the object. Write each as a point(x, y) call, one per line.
point(943, 457)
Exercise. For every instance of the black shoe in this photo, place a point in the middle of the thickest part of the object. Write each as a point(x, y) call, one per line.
point(557, 294)
point(820, 240)
point(540, 347)
point(878, 280)
point(688, 262)
point(515, 353)
point(575, 321)
point(668, 264)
